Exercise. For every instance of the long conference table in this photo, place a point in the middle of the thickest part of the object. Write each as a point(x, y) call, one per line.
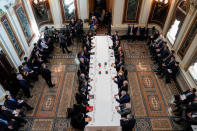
point(104, 115)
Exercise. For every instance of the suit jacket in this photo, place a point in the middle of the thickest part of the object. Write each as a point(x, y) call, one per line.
point(124, 99)
point(175, 69)
point(164, 53)
point(46, 73)
point(115, 47)
point(123, 110)
point(127, 125)
point(191, 97)
point(170, 64)
point(114, 38)
point(192, 107)
point(120, 80)
point(124, 88)
point(72, 24)
point(193, 120)
point(83, 68)
point(12, 104)
point(130, 29)
point(24, 83)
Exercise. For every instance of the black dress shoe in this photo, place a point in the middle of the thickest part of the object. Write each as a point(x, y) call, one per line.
point(30, 108)
point(158, 73)
point(52, 86)
point(177, 121)
point(29, 96)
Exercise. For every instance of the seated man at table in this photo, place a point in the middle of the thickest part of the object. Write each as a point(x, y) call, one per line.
point(127, 123)
point(82, 97)
point(82, 55)
point(115, 46)
point(114, 36)
point(124, 109)
point(84, 67)
point(118, 64)
point(80, 120)
point(125, 98)
point(124, 87)
point(87, 53)
point(82, 78)
point(117, 54)
point(120, 79)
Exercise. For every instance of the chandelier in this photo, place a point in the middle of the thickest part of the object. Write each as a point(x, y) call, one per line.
point(37, 2)
point(162, 1)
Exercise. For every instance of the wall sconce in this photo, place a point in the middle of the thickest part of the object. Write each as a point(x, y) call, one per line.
point(162, 1)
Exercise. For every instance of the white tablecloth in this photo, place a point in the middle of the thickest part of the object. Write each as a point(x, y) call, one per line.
point(104, 113)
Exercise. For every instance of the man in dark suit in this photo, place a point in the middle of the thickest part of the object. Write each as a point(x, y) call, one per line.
point(120, 79)
point(167, 65)
point(63, 43)
point(124, 87)
point(172, 71)
point(130, 33)
point(8, 124)
point(127, 123)
point(124, 98)
point(187, 119)
point(188, 107)
point(115, 46)
point(24, 85)
point(187, 96)
point(83, 67)
point(72, 26)
point(46, 74)
point(13, 103)
point(118, 64)
point(138, 32)
point(114, 36)
point(13, 114)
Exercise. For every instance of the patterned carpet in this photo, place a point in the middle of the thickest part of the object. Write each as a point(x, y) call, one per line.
point(150, 96)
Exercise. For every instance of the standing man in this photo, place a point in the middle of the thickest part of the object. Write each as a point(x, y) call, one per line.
point(46, 74)
point(63, 43)
point(24, 85)
point(93, 24)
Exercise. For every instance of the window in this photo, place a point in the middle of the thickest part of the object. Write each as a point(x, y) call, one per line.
point(172, 33)
point(177, 21)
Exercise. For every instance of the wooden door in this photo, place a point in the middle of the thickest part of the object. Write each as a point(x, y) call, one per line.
point(91, 5)
point(6, 69)
point(109, 5)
